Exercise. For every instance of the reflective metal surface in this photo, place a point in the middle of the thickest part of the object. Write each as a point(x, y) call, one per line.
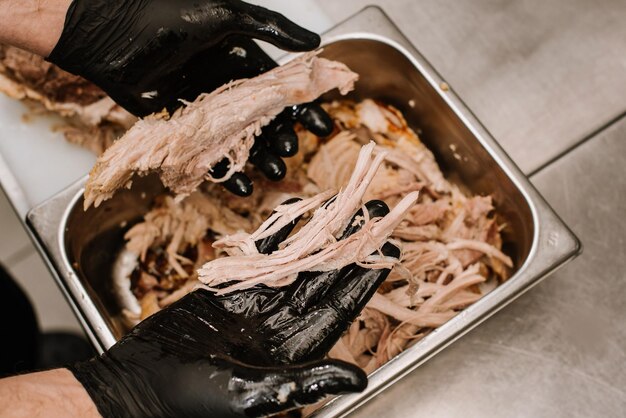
point(559, 350)
point(540, 75)
point(81, 246)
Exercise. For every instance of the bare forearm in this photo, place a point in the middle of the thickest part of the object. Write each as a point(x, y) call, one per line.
point(35, 25)
point(55, 393)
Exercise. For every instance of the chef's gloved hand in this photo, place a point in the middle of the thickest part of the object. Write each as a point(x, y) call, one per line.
point(149, 54)
point(249, 353)
point(303, 321)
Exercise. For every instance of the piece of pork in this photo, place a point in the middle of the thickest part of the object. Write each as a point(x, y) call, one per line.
point(178, 225)
point(315, 246)
point(389, 128)
point(223, 124)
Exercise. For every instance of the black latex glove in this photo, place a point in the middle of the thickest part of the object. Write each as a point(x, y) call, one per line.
point(234, 355)
point(148, 54)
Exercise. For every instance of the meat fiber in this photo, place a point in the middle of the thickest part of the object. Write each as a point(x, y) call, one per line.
point(184, 147)
point(314, 247)
point(180, 226)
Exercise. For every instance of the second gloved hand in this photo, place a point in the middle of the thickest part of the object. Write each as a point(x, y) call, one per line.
point(149, 54)
point(249, 353)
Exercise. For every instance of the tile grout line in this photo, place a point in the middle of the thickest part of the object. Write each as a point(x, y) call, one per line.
point(584, 140)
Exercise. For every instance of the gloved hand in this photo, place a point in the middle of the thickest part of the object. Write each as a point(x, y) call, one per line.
point(250, 353)
point(148, 54)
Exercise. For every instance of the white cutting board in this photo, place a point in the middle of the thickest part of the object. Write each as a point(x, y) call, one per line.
point(42, 163)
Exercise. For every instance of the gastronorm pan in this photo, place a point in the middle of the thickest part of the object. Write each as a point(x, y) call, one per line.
point(80, 246)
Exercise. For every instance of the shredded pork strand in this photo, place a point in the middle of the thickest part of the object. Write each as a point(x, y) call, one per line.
point(314, 247)
point(184, 147)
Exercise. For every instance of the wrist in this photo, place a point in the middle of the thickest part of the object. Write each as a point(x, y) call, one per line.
point(52, 393)
point(34, 25)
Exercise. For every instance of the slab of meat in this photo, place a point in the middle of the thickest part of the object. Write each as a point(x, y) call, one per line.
point(94, 121)
point(223, 124)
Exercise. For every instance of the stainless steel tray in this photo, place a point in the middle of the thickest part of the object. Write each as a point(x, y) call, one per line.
point(80, 246)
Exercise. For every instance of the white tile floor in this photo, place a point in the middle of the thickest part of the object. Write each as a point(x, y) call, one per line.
point(19, 256)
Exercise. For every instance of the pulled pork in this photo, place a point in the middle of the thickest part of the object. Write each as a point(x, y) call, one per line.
point(223, 124)
point(451, 241)
point(314, 247)
point(92, 119)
